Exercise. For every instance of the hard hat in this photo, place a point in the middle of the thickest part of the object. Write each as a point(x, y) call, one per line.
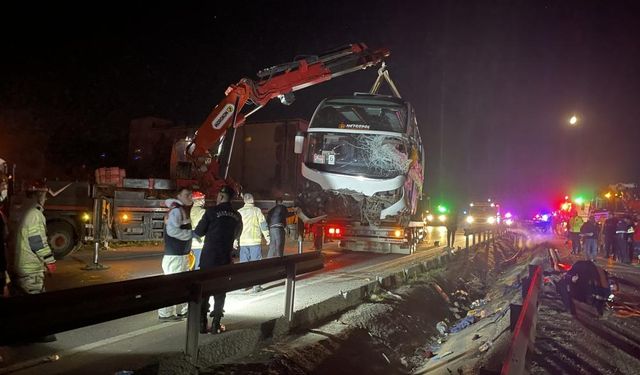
point(197, 195)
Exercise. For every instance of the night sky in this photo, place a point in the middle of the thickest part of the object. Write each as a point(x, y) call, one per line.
point(493, 82)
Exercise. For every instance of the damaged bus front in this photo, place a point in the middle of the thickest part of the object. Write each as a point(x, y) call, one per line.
point(363, 168)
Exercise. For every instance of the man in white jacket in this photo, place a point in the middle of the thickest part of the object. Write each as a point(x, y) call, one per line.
point(253, 226)
point(177, 244)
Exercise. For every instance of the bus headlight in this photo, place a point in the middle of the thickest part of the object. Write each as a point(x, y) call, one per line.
point(491, 220)
point(442, 218)
point(470, 219)
point(429, 217)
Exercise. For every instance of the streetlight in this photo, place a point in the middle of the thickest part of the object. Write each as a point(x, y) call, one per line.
point(573, 120)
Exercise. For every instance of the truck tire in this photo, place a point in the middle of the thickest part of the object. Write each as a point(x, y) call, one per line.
point(62, 238)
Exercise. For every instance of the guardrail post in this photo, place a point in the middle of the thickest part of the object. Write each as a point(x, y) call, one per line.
point(193, 323)
point(290, 291)
point(466, 241)
point(474, 239)
point(299, 244)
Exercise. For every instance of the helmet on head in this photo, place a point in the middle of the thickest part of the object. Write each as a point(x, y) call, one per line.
point(197, 195)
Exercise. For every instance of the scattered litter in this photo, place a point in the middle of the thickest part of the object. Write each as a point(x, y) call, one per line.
point(462, 324)
point(403, 361)
point(124, 372)
point(478, 314)
point(484, 347)
point(478, 303)
point(396, 296)
point(475, 337)
point(445, 354)
point(386, 358)
point(442, 328)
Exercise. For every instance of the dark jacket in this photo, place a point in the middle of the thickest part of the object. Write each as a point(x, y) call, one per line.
point(590, 227)
point(610, 227)
point(220, 226)
point(278, 215)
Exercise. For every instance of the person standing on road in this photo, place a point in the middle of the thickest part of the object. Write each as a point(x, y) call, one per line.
point(220, 225)
point(575, 223)
point(622, 240)
point(610, 235)
point(177, 244)
point(32, 256)
point(254, 226)
point(452, 227)
point(589, 231)
point(32, 252)
point(197, 211)
point(277, 221)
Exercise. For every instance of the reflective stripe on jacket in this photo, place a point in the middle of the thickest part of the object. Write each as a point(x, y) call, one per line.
point(32, 249)
point(253, 225)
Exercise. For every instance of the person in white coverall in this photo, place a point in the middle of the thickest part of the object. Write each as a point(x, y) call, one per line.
point(177, 245)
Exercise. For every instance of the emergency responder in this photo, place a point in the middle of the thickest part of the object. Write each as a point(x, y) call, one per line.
point(585, 282)
point(610, 235)
point(575, 223)
point(197, 211)
point(277, 221)
point(589, 232)
point(32, 252)
point(220, 225)
point(4, 235)
point(254, 226)
point(177, 244)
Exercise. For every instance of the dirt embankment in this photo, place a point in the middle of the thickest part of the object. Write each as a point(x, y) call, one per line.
point(394, 332)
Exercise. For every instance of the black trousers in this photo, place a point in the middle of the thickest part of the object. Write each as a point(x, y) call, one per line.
point(451, 236)
point(218, 306)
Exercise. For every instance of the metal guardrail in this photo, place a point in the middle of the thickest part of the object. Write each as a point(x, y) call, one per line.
point(482, 233)
point(524, 327)
point(30, 316)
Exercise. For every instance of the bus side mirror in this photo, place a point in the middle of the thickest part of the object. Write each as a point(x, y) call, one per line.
point(299, 143)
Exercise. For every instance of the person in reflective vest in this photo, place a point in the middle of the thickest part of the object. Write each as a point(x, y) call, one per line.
point(575, 224)
point(254, 227)
point(32, 256)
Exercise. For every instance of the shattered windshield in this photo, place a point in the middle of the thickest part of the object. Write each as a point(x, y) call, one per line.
point(367, 115)
point(366, 155)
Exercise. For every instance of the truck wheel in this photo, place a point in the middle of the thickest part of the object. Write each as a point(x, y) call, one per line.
point(61, 238)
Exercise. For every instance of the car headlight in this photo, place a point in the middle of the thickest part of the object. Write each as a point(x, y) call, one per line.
point(429, 217)
point(442, 218)
point(508, 221)
point(470, 219)
point(491, 220)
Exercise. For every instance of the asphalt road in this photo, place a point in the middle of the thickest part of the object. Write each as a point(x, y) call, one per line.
point(128, 343)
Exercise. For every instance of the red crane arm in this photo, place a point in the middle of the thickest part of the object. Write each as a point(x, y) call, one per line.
point(278, 81)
